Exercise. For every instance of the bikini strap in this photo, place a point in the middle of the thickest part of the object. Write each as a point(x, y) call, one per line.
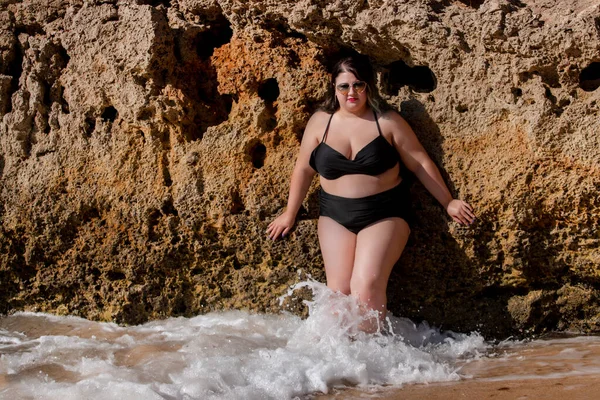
point(326, 129)
point(377, 122)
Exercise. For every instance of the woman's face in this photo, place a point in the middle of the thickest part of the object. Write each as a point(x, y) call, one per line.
point(350, 92)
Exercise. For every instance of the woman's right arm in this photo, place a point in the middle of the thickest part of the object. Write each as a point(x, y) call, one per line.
point(302, 177)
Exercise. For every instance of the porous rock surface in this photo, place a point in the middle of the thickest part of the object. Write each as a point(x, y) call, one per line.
point(145, 145)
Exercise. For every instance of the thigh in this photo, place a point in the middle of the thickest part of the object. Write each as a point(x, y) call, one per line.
point(337, 248)
point(378, 247)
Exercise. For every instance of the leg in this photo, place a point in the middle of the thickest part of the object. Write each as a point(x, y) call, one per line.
point(378, 247)
point(337, 247)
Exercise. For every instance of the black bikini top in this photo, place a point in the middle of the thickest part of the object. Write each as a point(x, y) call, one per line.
point(375, 158)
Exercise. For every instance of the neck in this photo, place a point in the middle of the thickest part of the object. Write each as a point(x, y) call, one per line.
point(360, 113)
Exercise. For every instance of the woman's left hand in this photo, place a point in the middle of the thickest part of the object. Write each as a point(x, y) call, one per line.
point(461, 212)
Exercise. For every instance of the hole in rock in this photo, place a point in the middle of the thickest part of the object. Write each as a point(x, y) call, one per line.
point(227, 102)
point(166, 174)
point(32, 29)
point(42, 120)
point(193, 132)
point(156, 3)
point(548, 75)
point(237, 204)
point(152, 221)
point(472, 3)
point(109, 114)
point(516, 92)
point(564, 102)
point(268, 90)
point(219, 34)
point(180, 308)
point(439, 6)
point(15, 69)
point(294, 59)
point(236, 264)
point(168, 208)
point(589, 79)
point(276, 139)
point(145, 113)
point(549, 95)
point(89, 214)
point(64, 56)
point(141, 135)
point(177, 49)
point(213, 109)
point(47, 100)
point(140, 80)
point(115, 275)
point(461, 108)
point(419, 78)
point(168, 181)
point(282, 27)
point(258, 153)
point(153, 217)
point(62, 101)
point(113, 17)
point(89, 126)
point(267, 121)
point(208, 106)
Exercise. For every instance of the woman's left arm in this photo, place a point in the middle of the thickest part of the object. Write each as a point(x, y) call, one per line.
point(418, 161)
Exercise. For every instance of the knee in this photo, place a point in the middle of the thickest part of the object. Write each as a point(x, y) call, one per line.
point(367, 287)
point(342, 287)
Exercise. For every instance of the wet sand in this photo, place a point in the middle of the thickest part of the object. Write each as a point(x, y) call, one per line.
point(558, 369)
point(571, 388)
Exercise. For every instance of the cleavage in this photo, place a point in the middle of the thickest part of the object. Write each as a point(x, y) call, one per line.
point(357, 153)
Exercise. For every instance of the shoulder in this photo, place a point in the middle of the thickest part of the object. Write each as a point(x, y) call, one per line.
point(318, 121)
point(315, 127)
point(393, 120)
point(393, 124)
point(319, 117)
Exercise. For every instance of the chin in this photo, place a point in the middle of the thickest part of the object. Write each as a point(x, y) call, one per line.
point(355, 106)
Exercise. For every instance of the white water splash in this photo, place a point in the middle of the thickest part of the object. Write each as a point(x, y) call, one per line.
point(226, 355)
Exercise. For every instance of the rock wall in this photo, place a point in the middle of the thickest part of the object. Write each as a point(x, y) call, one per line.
point(145, 145)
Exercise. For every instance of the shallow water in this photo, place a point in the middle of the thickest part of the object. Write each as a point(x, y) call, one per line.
point(548, 369)
point(239, 355)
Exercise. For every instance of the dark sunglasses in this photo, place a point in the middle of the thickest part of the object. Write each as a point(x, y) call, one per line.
point(358, 86)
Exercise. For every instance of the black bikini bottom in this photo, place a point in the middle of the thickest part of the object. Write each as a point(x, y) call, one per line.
point(355, 214)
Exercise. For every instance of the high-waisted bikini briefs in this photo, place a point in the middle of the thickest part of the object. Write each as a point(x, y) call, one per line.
point(357, 213)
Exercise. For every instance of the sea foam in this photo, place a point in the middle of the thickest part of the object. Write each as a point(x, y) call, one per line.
point(224, 355)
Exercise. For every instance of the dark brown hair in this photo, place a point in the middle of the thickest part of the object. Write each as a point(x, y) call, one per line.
point(362, 69)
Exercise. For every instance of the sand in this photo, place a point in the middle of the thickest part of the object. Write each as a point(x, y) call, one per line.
point(566, 388)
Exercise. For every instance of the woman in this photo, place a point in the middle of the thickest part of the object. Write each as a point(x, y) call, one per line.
point(354, 144)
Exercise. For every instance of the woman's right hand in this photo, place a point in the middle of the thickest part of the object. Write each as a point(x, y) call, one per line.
point(281, 225)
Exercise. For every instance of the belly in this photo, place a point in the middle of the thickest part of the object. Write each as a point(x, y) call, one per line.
point(355, 186)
